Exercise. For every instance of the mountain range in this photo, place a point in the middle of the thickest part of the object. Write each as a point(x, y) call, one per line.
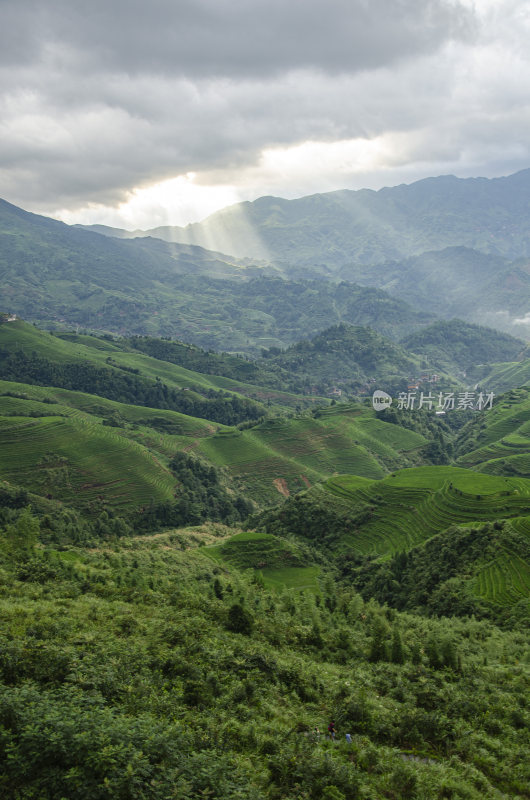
point(368, 227)
point(470, 261)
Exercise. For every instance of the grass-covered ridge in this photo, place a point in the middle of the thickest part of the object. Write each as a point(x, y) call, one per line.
point(81, 449)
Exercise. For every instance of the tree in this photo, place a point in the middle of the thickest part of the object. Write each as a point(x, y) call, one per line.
point(378, 650)
point(397, 655)
point(239, 619)
point(22, 536)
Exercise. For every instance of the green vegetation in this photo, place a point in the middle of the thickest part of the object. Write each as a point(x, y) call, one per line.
point(146, 670)
point(398, 512)
point(183, 602)
point(288, 455)
point(84, 368)
point(503, 376)
point(455, 346)
point(346, 357)
point(456, 247)
point(480, 569)
point(499, 443)
point(60, 276)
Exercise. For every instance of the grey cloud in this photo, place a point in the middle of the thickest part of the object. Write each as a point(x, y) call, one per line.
point(102, 97)
point(197, 38)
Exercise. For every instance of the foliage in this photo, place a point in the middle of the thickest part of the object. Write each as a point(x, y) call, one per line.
point(108, 382)
point(455, 345)
point(143, 670)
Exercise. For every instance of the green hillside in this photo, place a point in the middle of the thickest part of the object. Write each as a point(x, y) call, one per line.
point(477, 568)
point(437, 540)
point(348, 358)
point(278, 563)
point(502, 377)
point(345, 356)
point(76, 432)
point(113, 371)
point(279, 456)
point(265, 461)
point(146, 670)
point(396, 513)
point(458, 347)
point(84, 449)
point(499, 443)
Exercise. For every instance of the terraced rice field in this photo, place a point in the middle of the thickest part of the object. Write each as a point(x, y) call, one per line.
point(276, 560)
point(414, 504)
point(259, 551)
point(77, 460)
point(504, 376)
point(285, 455)
point(505, 581)
point(521, 525)
point(506, 436)
point(299, 578)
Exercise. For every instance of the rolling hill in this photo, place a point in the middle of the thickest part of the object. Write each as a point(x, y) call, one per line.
point(409, 506)
point(65, 402)
point(442, 540)
point(459, 348)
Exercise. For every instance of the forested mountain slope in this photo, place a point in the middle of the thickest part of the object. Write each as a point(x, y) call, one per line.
point(371, 227)
point(63, 276)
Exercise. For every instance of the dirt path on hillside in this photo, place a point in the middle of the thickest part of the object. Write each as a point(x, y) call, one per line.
point(281, 485)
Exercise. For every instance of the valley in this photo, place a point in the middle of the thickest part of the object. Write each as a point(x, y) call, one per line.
point(212, 543)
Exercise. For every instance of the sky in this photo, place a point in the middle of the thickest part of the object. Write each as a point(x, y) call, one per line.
point(139, 114)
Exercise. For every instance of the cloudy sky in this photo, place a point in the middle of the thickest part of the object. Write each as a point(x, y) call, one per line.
point(138, 114)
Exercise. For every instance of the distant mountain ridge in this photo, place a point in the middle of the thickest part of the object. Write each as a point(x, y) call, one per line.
point(59, 275)
point(366, 226)
point(456, 247)
point(449, 247)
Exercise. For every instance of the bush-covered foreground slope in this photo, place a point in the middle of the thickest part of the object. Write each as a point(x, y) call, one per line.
point(146, 670)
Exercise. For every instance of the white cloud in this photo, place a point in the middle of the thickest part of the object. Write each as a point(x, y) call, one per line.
point(172, 202)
